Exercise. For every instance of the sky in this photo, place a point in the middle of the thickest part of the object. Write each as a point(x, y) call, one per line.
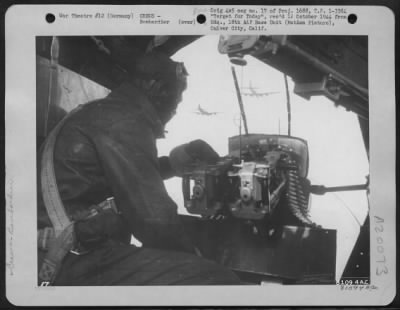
point(336, 150)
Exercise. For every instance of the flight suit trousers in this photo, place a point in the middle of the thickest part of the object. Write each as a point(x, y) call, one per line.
point(115, 263)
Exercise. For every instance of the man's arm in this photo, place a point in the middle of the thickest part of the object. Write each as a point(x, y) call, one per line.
point(184, 155)
point(166, 170)
point(129, 158)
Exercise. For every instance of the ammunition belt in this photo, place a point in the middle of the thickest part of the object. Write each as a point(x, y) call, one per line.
point(297, 199)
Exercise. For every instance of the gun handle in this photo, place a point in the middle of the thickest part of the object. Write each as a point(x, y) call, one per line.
point(186, 188)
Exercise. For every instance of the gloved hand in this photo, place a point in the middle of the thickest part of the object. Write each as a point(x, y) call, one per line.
point(192, 152)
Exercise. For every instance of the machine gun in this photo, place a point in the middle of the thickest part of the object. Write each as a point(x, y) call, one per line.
point(254, 211)
point(250, 182)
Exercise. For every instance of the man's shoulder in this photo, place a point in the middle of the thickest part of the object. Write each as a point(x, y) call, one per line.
point(110, 104)
point(114, 115)
point(106, 109)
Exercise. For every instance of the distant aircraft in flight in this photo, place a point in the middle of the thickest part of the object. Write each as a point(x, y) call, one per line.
point(254, 93)
point(201, 111)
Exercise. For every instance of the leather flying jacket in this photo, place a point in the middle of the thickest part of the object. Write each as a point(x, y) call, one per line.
point(109, 149)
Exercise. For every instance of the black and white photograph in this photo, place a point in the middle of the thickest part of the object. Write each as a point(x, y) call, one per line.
point(232, 164)
point(202, 160)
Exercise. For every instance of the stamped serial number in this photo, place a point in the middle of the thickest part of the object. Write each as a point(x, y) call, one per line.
point(353, 282)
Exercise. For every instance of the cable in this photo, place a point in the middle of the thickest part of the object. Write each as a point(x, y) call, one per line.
point(348, 209)
point(240, 100)
point(289, 110)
